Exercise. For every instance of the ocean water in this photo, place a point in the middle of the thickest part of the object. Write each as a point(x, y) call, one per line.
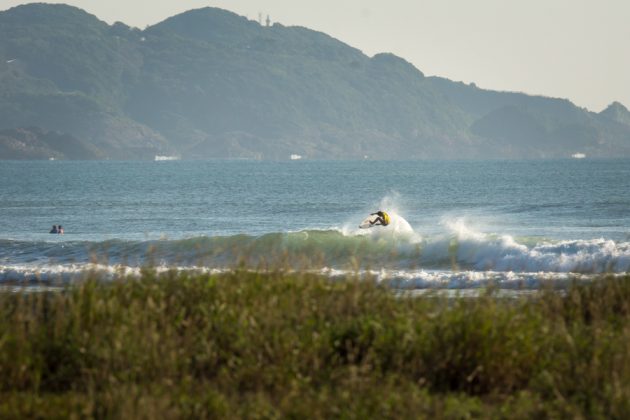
point(455, 224)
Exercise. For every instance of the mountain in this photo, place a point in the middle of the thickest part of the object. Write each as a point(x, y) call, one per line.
point(34, 143)
point(617, 112)
point(521, 125)
point(62, 69)
point(211, 84)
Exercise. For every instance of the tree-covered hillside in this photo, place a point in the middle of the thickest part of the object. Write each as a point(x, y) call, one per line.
point(210, 84)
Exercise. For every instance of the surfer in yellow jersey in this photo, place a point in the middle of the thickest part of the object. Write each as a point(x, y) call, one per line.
point(382, 219)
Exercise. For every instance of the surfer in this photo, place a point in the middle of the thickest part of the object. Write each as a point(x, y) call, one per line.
point(382, 219)
point(54, 229)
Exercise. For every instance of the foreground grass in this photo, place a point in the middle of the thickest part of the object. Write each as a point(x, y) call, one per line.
point(274, 345)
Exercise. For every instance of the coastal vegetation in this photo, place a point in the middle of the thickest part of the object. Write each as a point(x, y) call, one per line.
point(276, 344)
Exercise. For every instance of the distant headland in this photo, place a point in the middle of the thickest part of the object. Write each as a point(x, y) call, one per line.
point(211, 84)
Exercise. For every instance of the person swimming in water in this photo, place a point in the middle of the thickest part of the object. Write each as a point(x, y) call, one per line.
point(382, 219)
point(54, 229)
point(60, 230)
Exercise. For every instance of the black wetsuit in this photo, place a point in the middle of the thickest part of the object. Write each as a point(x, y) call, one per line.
point(381, 219)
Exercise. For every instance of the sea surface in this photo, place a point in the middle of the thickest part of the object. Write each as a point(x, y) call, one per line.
point(455, 224)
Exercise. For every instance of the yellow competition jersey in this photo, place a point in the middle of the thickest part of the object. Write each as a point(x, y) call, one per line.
point(386, 218)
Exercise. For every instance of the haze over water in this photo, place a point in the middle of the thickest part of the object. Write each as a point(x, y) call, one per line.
point(457, 224)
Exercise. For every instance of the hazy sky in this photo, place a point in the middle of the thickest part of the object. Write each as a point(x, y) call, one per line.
point(575, 49)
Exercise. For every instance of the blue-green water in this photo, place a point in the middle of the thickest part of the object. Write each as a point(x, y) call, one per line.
point(456, 223)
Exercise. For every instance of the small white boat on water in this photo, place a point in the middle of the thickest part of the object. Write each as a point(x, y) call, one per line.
point(163, 158)
point(578, 156)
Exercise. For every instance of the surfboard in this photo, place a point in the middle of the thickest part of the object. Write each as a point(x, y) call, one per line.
point(367, 223)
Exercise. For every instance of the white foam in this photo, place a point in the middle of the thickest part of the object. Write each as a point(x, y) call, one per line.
point(463, 280)
point(503, 253)
point(64, 273)
point(410, 279)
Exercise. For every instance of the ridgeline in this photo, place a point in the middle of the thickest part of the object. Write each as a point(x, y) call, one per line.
point(211, 84)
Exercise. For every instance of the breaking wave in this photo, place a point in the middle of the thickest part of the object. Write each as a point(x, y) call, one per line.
point(458, 257)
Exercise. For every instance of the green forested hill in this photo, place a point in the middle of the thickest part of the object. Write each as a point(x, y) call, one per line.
point(62, 69)
point(208, 83)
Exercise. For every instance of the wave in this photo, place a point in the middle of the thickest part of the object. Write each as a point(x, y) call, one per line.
point(457, 253)
point(329, 247)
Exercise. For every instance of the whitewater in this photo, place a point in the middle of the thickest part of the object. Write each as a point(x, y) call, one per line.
point(455, 225)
